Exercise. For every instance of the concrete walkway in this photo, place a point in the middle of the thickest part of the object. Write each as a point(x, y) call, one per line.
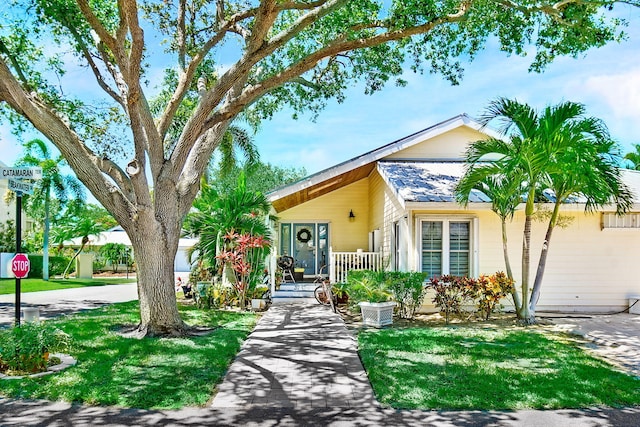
point(299, 356)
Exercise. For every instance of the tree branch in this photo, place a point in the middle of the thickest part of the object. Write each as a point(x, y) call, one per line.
point(186, 77)
point(182, 35)
point(309, 62)
point(15, 64)
point(80, 158)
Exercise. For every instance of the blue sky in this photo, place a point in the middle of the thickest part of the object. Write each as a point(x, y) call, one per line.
point(606, 80)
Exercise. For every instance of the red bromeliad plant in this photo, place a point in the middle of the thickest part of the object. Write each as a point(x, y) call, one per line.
point(244, 254)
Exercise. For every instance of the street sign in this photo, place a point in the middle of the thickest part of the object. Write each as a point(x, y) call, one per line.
point(21, 173)
point(21, 186)
point(20, 266)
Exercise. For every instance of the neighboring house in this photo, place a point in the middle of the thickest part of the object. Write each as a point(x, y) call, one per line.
point(118, 235)
point(395, 206)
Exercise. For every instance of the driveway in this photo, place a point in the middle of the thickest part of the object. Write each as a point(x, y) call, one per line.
point(614, 337)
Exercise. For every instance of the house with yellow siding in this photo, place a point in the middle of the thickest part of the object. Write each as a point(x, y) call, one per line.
point(394, 208)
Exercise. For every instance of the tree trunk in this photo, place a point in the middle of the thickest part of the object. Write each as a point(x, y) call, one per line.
point(542, 262)
point(45, 243)
point(65, 275)
point(517, 302)
point(523, 314)
point(155, 253)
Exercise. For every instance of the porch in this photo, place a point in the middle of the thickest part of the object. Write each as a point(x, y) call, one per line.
point(292, 288)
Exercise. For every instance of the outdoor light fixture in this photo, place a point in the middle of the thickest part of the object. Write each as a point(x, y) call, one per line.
point(352, 217)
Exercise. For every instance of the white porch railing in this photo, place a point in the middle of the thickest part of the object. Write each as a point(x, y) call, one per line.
point(340, 263)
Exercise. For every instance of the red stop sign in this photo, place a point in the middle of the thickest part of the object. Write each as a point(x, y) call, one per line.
point(20, 266)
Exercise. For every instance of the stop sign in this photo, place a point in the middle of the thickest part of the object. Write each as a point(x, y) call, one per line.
point(20, 266)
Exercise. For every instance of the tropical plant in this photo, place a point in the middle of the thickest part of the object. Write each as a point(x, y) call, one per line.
point(275, 54)
point(244, 254)
point(505, 193)
point(216, 214)
point(408, 291)
point(452, 294)
point(558, 149)
point(490, 290)
point(84, 227)
point(634, 157)
point(115, 253)
point(25, 349)
point(367, 286)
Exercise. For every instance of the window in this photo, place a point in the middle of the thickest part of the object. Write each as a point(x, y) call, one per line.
point(612, 220)
point(446, 246)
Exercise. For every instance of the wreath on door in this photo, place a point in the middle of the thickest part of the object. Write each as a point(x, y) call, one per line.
point(303, 235)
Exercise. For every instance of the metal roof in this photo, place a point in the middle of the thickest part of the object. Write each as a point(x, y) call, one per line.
point(426, 181)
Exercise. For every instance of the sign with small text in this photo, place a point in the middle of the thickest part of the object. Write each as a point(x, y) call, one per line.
point(21, 173)
point(21, 186)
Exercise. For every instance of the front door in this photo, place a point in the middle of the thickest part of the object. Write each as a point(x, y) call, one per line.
point(304, 247)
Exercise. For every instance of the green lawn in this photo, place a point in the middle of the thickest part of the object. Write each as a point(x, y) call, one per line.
point(8, 286)
point(488, 369)
point(148, 373)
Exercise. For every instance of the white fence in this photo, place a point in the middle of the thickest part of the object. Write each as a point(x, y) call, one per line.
point(340, 263)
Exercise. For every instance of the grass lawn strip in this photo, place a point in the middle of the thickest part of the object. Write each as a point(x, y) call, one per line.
point(7, 286)
point(470, 368)
point(149, 373)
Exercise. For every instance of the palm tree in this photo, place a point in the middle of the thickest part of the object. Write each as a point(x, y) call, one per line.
point(217, 214)
point(585, 167)
point(85, 227)
point(505, 195)
point(556, 149)
point(634, 158)
point(37, 153)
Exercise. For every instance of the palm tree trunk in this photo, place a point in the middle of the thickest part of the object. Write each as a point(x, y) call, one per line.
point(537, 284)
point(66, 270)
point(524, 315)
point(517, 302)
point(45, 243)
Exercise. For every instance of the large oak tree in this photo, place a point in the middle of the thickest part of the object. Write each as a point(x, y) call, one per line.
point(233, 57)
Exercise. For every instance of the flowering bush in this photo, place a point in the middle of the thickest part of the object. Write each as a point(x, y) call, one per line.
point(490, 290)
point(244, 254)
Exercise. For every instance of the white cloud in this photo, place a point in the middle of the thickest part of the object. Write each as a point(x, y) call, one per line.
point(619, 92)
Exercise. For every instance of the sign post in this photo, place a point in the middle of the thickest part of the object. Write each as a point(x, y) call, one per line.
point(20, 263)
point(18, 250)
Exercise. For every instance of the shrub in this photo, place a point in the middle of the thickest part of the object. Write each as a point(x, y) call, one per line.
point(408, 291)
point(490, 290)
point(24, 349)
point(35, 265)
point(452, 293)
point(57, 264)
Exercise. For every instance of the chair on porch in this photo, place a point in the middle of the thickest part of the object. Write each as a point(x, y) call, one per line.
point(285, 263)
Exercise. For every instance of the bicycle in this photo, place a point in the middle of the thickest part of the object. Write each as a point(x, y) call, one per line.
point(324, 295)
